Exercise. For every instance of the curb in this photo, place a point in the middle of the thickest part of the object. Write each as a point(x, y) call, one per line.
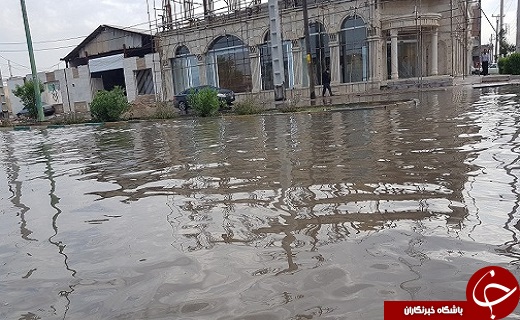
point(49, 126)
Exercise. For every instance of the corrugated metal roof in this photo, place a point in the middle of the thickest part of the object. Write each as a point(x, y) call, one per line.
point(75, 52)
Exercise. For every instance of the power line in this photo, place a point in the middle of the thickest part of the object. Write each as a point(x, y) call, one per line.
point(43, 41)
point(43, 49)
point(73, 46)
point(21, 65)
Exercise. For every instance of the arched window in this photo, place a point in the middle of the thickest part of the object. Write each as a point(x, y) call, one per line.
point(320, 51)
point(266, 64)
point(185, 70)
point(354, 50)
point(228, 64)
point(182, 50)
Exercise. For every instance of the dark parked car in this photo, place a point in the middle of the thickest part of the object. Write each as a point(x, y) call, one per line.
point(47, 111)
point(181, 99)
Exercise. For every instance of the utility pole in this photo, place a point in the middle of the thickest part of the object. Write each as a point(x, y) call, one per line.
point(501, 23)
point(500, 29)
point(36, 82)
point(154, 72)
point(10, 68)
point(518, 25)
point(310, 65)
point(497, 37)
point(479, 28)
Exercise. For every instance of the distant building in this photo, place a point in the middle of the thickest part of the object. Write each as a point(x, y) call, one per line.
point(4, 107)
point(110, 56)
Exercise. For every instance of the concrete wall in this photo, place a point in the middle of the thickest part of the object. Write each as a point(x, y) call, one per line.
point(52, 94)
point(111, 39)
point(15, 102)
point(79, 87)
point(150, 61)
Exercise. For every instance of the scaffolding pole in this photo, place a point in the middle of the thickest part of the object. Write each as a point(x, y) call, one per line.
point(36, 82)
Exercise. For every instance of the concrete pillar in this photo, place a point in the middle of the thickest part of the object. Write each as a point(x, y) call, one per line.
point(202, 68)
point(256, 75)
point(129, 66)
point(335, 72)
point(393, 54)
point(435, 52)
point(297, 60)
point(375, 66)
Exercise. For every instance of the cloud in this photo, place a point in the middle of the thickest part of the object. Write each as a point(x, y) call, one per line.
point(492, 8)
point(59, 20)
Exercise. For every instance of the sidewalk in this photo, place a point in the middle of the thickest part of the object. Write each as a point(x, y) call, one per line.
point(399, 94)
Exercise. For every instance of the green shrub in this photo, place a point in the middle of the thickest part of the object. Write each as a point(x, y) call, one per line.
point(109, 105)
point(513, 62)
point(288, 107)
point(503, 66)
point(205, 102)
point(291, 104)
point(6, 123)
point(164, 111)
point(249, 105)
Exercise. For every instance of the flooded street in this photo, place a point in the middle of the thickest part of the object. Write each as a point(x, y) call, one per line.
point(321, 215)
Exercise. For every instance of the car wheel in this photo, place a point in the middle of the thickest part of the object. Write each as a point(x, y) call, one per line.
point(183, 106)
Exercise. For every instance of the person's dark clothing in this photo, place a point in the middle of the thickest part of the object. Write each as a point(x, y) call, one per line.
point(325, 81)
point(485, 68)
point(485, 63)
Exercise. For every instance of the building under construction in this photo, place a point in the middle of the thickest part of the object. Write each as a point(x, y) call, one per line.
point(366, 44)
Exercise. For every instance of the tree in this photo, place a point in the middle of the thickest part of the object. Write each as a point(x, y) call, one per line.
point(109, 105)
point(505, 47)
point(26, 94)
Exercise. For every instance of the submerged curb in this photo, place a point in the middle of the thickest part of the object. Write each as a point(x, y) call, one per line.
point(275, 111)
point(48, 126)
point(347, 106)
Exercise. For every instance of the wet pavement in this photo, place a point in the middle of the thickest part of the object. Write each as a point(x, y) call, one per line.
point(321, 215)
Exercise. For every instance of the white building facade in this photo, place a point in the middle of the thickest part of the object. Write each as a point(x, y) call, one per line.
point(366, 44)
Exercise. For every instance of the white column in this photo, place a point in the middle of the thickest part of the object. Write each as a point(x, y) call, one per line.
point(375, 66)
point(202, 69)
point(393, 53)
point(256, 75)
point(335, 72)
point(297, 61)
point(435, 52)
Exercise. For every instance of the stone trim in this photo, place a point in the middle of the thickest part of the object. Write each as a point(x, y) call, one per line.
point(411, 21)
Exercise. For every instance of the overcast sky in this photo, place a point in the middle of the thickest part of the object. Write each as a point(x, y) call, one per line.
point(58, 26)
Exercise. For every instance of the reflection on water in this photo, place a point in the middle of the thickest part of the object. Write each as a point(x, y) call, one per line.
point(295, 216)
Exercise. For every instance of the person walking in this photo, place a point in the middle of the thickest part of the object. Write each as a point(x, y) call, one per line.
point(325, 81)
point(485, 63)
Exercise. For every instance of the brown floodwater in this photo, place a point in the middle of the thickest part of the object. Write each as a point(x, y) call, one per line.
point(321, 215)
